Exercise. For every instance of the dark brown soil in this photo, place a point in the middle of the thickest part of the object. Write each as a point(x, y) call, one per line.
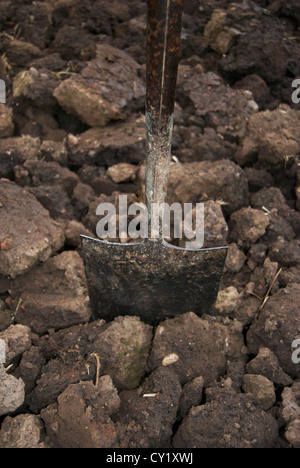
point(72, 135)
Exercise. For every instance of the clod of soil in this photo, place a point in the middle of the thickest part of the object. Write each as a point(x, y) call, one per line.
point(277, 327)
point(12, 392)
point(240, 424)
point(66, 303)
point(28, 234)
point(97, 105)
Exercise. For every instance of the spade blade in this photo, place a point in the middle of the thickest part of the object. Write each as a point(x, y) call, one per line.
point(151, 279)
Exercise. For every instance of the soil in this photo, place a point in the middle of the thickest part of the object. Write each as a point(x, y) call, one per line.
point(72, 135)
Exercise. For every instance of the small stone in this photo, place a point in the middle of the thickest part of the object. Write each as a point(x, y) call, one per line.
point(235, 259)
point(170, 359)
point(261, 388)
point(12, 392)
point(253, 106)
point(228, 300)
point(248, 225)
point(122, 172)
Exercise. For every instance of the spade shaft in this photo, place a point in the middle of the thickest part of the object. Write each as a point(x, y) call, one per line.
point(164, 23)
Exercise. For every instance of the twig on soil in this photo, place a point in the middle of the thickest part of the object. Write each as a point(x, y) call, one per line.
point(6, 64)
point(9, 36)
point(87, 368)
point(264, 299)
point(16, 311)
point(268, 212)
point(63, 72)
point(17, 31)
point(98, 368)
point(8, 367)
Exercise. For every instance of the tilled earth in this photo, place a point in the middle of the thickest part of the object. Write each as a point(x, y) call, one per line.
point(72, 135)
